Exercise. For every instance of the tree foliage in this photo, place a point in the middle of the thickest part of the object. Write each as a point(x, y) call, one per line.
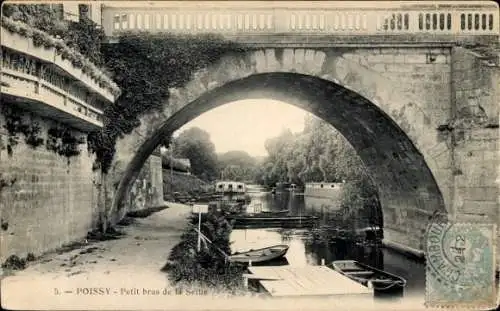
point(146, 66)
point(237, 165)
point(319, 154)
point(195, 144)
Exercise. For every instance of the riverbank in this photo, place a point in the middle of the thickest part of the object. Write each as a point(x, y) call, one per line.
point(141, 251)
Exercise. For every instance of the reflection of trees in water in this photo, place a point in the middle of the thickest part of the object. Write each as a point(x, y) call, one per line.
point(340, 249)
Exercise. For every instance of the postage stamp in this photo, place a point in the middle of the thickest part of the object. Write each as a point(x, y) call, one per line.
point(460, 267)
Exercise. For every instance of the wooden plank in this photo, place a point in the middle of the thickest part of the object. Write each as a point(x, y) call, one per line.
point(257, 277)
point(308, 281)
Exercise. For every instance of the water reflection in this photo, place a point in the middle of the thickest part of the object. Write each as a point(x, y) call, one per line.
point(307, 247)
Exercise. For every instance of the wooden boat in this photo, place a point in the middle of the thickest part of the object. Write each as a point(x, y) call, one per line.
point(260, 255)
point(282, 212)
point(381, 281)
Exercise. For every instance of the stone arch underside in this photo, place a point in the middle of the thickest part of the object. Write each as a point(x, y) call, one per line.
point(365, 107)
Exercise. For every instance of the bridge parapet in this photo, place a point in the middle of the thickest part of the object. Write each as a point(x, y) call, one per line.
point(251, 21)
point(41, 73)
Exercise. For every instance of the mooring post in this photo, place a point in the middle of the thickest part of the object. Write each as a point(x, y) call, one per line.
point(250, 263)
point(322, 261)
point(199, 231)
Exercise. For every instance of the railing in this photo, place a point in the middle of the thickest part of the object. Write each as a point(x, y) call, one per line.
point(338, 19)
point(91, 80)
point(27, 77)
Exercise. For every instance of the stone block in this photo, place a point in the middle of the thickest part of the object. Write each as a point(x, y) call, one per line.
point(416, 59)
point(479, 193)
point(481, 208)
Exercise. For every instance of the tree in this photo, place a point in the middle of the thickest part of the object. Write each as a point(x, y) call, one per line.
point(237, 165)
point(195, 144)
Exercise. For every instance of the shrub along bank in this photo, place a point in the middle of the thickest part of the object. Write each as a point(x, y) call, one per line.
point(209, 267)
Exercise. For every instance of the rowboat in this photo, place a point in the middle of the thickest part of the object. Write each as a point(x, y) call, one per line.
point(381, 281)
point(271, 213)
point(260, 255)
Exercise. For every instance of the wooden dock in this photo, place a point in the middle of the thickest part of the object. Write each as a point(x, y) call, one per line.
point(286, 281)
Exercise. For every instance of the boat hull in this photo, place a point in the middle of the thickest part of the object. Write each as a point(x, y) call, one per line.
point(273, 221)
point(260, 255)
point(384, 284)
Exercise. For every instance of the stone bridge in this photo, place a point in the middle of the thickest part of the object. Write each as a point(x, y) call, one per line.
point(402, 85)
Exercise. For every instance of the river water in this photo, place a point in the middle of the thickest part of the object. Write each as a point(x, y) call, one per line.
point(307, 249)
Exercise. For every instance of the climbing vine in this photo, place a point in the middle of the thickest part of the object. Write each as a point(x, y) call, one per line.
point(62, 141)
point(15, 125)
point(145, 66)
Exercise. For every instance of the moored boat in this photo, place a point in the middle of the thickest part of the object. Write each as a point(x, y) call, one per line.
point(260, 255)
point(382, 282)
point(282, 212)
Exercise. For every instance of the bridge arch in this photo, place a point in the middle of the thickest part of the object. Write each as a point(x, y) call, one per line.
point(383, 126)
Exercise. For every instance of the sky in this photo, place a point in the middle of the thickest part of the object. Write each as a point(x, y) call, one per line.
point(246, 124)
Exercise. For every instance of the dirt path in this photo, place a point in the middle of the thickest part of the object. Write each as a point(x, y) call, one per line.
point(142, 251)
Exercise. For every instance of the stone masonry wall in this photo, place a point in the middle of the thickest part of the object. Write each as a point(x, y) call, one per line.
point(44, 201)
point(421, 89)
point(147, 190)
point(476, 137)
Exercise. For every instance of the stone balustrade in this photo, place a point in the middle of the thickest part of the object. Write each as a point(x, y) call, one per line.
point(344, 18)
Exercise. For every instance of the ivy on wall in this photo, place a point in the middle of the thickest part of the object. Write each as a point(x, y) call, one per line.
point(145, 66)
point(15, 125)
point(62, 141)
point(79, 43)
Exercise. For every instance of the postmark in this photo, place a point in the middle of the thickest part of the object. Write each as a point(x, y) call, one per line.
point(460, 266)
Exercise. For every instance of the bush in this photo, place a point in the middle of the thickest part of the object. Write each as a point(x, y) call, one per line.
point(208, 267)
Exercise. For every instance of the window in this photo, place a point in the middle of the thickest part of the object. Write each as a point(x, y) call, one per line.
point(448, 21)
point(392, 22)
point(490, 22)
point(476, 21)
point(462, 21)
point(469, 21)
point(483, 21)
point(441, 21)
point(406, 21)
point(420, 21)
point(321, 186)
point(434, 21)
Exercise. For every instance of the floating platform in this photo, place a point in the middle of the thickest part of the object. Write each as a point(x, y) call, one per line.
point(289, 281)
